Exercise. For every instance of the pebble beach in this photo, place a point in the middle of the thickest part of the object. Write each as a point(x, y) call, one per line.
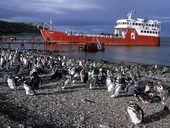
point(78, 106)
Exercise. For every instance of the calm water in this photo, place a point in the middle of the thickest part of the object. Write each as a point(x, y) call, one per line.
point(147, 55)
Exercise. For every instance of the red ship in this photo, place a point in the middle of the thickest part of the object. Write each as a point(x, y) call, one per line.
point(128, 32)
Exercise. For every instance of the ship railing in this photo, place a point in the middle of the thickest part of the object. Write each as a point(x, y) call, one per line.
point(90, 35)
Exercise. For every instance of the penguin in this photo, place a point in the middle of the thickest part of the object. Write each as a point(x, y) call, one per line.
point(33, 70)
point(11, 82)
point(28, 89)
point(131, 87)
point(144, 96)
point(101, 77)
point(166, 106)
point(135, 112)
point(5, 77)
point(35, 80)
point(56, 75)
point(25, 62)
point(149, 87)
point(76, 75)
point(38, 70)
point(116, 90)
point(83, 75)
point(164, 94)
point(158, 87)
point(91, 79)
point(110, 85)
point(121, 80)
point(152, 92)
point(67, 82)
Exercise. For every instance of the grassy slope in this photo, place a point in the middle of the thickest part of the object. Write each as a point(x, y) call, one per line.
point(11, 27)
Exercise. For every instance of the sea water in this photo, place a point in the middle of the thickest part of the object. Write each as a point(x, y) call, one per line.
point(139, 54)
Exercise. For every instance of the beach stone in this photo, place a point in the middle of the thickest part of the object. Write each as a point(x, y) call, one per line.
point(80, 107)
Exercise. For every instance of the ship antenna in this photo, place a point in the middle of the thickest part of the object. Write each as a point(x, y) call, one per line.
point(129, 15)
point(51, 24)
point(43, 24)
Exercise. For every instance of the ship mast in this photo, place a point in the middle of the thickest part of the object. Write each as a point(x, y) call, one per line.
point(129, 15)
point(51, 24)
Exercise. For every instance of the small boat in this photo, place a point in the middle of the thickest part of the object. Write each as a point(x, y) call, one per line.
point(94, 46)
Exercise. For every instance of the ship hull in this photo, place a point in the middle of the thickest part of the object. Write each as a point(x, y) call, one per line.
point(62, 38)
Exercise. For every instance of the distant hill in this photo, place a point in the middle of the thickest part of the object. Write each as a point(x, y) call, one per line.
point(13, 27)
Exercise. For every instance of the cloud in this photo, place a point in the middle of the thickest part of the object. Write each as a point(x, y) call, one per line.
point(164, 19)
point(78, 13)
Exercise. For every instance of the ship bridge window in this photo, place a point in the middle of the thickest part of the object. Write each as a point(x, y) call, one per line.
point(141, 31)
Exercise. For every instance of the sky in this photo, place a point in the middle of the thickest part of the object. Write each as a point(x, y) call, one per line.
point(89, 16)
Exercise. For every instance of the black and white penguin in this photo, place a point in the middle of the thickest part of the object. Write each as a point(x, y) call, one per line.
point(164, 94)
point(91, 79)
point(56, 75)
point(5, 77)
point(11, 82)
point(38, 70)
point(25, 62)
point(28, 89)
point(158, 87)
point(131, 87)
point(35, 80)
point(149, 88)
point(110, 84)
point(83, 75)
point(166, 106)
point(116, 90)
point(67, 82)
point(118, 87)
point(135, 112)
point(101, 76)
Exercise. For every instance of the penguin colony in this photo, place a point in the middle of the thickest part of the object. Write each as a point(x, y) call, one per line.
point(23, 69)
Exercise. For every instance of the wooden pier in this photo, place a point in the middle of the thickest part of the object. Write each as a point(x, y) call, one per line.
point(23, 42)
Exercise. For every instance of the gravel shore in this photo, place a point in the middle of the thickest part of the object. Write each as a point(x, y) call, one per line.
point(78, 106)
